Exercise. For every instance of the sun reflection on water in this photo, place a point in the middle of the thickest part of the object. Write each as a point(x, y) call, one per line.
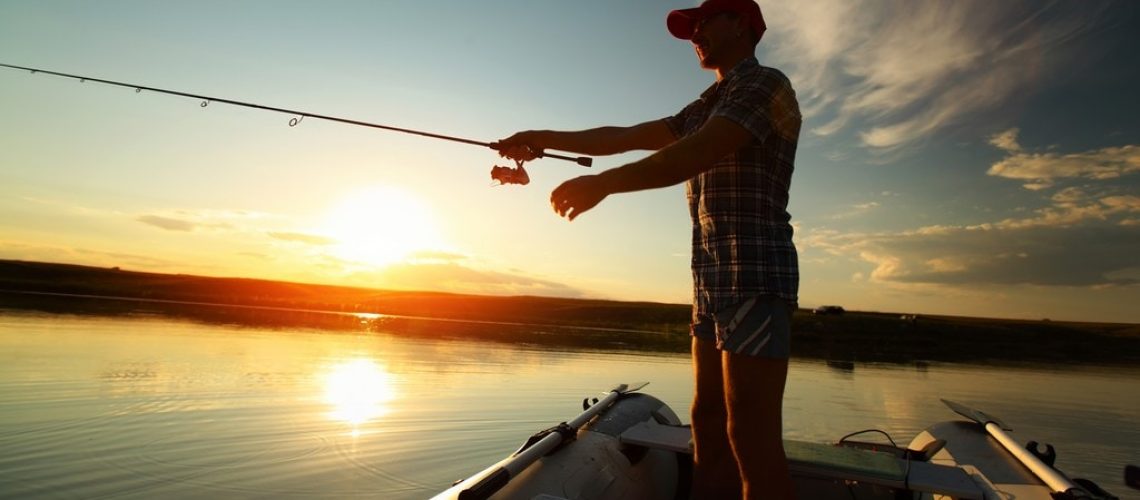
point(359, 391)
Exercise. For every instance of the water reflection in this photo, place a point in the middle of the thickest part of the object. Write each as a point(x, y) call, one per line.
point(359, 391)
point(147, 407)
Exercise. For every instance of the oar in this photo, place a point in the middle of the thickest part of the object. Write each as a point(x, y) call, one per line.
point(492, 479)
point(1048, 475)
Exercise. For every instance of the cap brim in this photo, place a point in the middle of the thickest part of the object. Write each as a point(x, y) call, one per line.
point(682, 22)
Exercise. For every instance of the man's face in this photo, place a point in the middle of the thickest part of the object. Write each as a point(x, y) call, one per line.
point(713, 36)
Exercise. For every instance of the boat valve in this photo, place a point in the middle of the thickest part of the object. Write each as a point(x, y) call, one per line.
point(1049, 456)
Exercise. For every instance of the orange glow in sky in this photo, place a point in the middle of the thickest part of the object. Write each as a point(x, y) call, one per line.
point(963, 158)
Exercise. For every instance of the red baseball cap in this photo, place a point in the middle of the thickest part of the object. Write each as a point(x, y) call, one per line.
point(683, 22)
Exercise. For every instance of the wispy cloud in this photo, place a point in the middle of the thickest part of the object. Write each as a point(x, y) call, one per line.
point(856, 210)
point(205, 219)
point(1042, 170)
point(436, 257)
point(1072, 206)
point(308, 239)
point(1070, 256)
point(1089, 255)
point(177, 220)
point(1084, 236)
point(31, 251)
point(1007, 140)
point(167, 223)
point(898, 71)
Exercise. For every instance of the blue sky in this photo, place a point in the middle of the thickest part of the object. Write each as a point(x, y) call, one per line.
point(974, 158)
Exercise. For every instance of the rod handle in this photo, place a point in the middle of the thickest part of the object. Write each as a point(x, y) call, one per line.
point(584, 161)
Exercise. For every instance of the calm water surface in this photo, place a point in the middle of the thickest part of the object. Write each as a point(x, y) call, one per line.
point(151, 407)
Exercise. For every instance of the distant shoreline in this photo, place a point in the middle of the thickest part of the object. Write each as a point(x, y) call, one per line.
point(320, 311)
point(849, 337)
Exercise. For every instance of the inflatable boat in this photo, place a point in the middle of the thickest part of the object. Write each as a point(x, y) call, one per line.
point(629, 445)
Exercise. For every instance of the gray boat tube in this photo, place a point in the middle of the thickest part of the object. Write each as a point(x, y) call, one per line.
point(484, 484)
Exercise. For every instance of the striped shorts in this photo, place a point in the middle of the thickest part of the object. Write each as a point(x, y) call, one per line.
point(760, 326)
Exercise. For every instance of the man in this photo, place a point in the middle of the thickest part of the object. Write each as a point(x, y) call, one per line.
point(734, 147)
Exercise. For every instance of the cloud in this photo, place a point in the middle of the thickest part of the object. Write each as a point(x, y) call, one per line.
point(178, 220)
point(1085, 236)
point(898, 71)
point(1071, 256)
point(167, 223)
point(435, 256)
point(1082, 239)
point(1006, 140)
point(1073, 206)
point(1094, 255)
point(1042, 170)
point(207, 219)
point(856, 210)
point(29, 251)
point(308, 239)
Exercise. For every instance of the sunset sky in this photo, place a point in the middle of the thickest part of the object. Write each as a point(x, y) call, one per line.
point(968, 157)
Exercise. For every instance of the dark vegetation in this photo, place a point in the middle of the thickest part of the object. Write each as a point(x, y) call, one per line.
point(599, 324)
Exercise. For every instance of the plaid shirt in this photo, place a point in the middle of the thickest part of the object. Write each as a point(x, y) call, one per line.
point(742, 241)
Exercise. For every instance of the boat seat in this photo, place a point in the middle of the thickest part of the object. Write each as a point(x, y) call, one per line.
point(827, 461)
point(651, 434)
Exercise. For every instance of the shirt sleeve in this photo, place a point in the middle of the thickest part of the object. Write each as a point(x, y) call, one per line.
point(762, 103)
point(677, 123)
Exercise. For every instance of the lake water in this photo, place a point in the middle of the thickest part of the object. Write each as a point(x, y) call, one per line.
point(159, 407)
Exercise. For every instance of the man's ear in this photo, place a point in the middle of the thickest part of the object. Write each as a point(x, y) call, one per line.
point(742, 26)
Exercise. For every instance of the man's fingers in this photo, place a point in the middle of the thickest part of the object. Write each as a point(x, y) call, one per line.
point(517, 148)
point(572, 198)
point(562, 208)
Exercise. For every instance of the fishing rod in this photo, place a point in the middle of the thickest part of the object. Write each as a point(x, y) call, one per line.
point(505, 175)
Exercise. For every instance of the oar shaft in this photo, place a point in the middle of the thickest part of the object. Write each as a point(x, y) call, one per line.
point(581, 160)
point(492, 479)
point(537, 450)
point(1044, 472)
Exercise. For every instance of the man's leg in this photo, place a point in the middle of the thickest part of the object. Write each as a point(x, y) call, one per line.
point(715, 473)
point(754, 394)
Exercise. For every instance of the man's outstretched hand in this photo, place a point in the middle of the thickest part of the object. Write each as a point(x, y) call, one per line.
point(522, 146)
point(578, 195)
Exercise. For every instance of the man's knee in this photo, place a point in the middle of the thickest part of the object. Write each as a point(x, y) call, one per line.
point(708, 410)
point(708, 394)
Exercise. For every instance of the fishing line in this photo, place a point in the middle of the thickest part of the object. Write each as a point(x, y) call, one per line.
point(500, 175)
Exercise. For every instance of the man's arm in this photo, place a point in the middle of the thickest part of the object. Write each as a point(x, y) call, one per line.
point(670, 165)
point(601, 141)
point(679, 161)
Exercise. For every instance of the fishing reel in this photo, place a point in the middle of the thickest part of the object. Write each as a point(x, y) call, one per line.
point(508, 175)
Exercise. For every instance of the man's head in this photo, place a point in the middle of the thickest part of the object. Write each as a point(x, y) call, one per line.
point(719, 28)
point(683, 22)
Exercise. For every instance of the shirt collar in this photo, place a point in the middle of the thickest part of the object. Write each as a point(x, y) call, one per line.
point(744, 65)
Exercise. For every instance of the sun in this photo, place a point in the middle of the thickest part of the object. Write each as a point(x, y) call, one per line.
point(380, 226)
